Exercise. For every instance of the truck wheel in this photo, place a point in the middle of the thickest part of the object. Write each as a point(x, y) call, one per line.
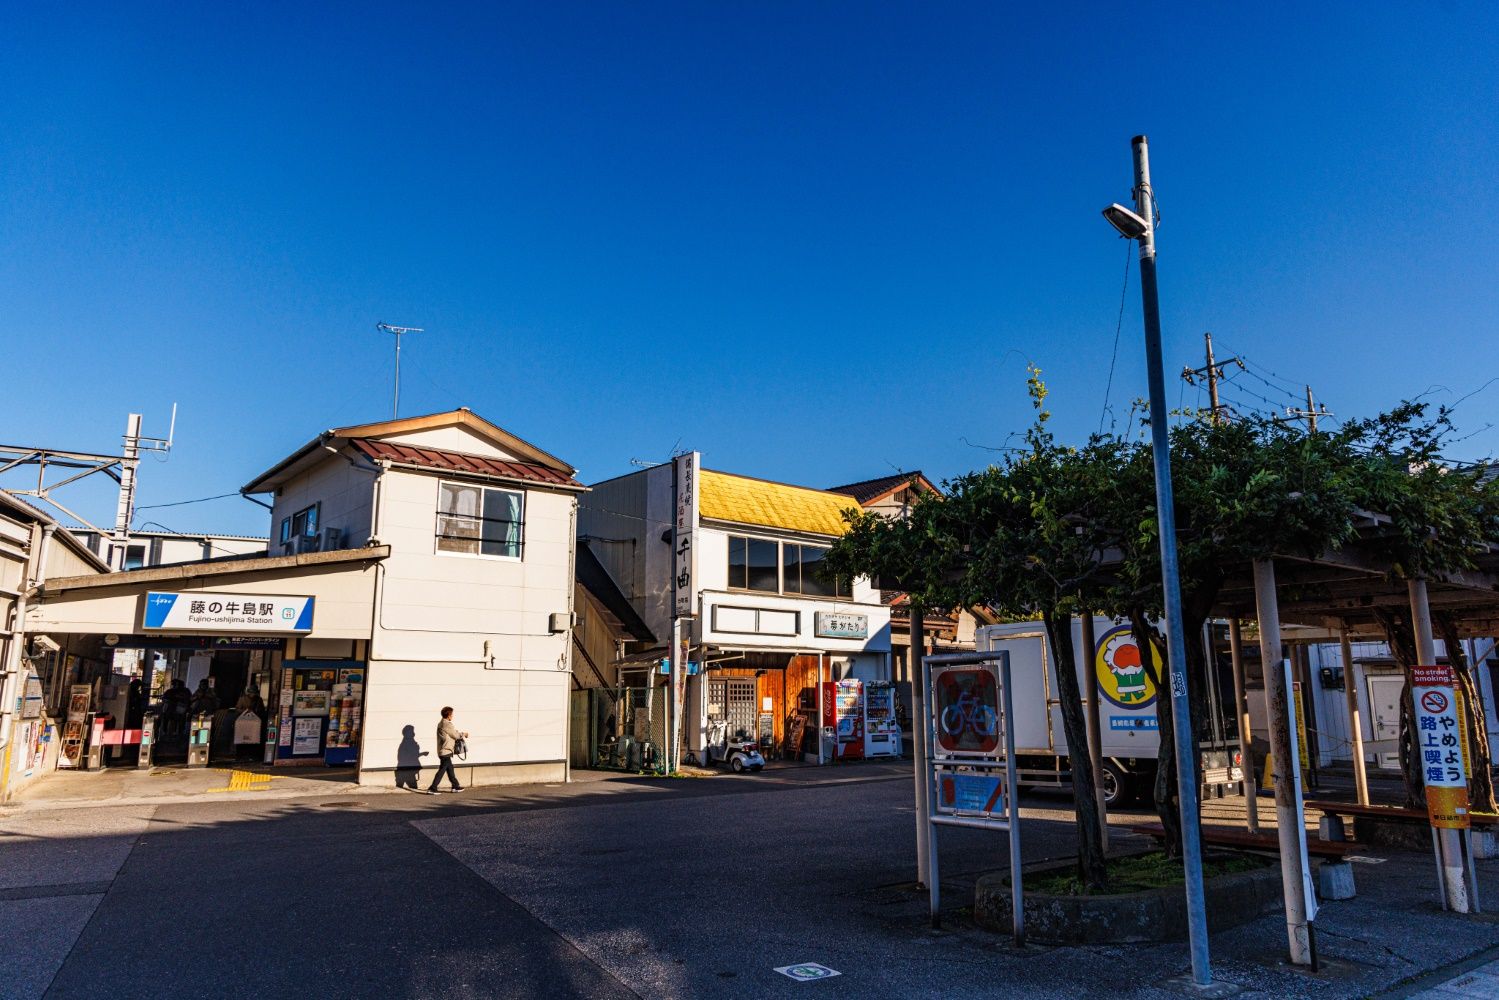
point(1116, 785)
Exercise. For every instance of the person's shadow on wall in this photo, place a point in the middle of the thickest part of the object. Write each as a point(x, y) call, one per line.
point(409, 759)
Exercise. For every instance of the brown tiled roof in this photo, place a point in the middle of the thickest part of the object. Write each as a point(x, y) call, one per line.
point(869, 489)
point(459, 461)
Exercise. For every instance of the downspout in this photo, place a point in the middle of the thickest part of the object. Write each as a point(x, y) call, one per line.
point(567, 643)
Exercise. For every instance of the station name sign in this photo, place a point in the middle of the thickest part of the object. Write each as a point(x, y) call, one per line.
point(226, 612)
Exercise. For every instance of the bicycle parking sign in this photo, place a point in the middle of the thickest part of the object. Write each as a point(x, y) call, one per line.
point(965, 712)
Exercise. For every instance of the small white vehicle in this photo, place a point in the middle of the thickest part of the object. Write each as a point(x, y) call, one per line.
point(739, 754)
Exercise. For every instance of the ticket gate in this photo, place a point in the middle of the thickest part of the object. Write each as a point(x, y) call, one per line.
point(199, 738)
point(99, 738)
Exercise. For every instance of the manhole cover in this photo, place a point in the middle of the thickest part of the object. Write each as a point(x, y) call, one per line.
point(338, 805)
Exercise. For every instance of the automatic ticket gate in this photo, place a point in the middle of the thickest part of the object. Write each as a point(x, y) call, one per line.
point(99, 738)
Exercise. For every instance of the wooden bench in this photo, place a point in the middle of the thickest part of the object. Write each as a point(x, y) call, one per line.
point(1224, 837)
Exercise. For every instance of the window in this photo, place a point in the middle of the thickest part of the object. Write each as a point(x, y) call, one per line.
point(803, 573)
point(285, 530)
point(135, 557)
point(753, 564)
point(479, 521)
point(781, 567)
point(304, 522)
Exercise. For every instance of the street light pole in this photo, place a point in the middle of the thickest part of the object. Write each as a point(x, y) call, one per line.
point(1142, 230)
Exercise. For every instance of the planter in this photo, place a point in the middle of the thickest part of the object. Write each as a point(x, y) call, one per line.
point(1150, 916)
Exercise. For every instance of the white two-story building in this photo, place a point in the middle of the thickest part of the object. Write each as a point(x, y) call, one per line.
point(764, 625)
point(413, 564)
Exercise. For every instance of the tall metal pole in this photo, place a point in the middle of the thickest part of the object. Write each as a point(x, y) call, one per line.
point(1288, 814)
point(395, 402)
point(397, 331)
point(1250, 783)
point(1449, 842)
point(1212, 377)
point(918, 739)
point(1355, 727)
point(1176, 643)
point(1095, 731)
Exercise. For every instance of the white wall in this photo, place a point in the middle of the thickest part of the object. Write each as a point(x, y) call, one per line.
point(472, 632)
point(345, 491)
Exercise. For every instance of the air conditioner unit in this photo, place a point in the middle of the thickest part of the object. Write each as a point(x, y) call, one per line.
point(333, 539)
point(306, 543)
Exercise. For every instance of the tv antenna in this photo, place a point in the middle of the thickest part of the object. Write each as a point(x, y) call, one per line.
point(395, 403)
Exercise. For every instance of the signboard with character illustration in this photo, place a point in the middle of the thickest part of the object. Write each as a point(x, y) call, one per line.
point(1123, 680)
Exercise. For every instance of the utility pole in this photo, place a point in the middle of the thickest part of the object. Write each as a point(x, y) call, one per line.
point(1139, 226)
point(1311, 413)
point(395, 403)
point(1213, 371)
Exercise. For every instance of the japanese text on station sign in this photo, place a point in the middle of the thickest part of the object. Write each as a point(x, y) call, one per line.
point(1439, 742)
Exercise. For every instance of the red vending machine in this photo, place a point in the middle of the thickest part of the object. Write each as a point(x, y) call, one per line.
point(843, 712)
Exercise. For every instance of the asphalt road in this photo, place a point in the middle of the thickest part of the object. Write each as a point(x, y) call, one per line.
point(627, 887)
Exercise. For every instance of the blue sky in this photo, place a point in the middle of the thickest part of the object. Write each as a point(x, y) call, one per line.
point(816, 242)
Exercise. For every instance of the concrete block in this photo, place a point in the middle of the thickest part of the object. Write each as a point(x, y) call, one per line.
point(1335, 880)
point(1485, 845)
point(1331, 828)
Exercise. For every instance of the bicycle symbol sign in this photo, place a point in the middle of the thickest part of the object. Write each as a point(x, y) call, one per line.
point(966, 710)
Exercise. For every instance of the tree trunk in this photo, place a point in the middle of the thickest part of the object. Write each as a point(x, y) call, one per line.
point(1480, 756)
point(1090, 853)
point(1402, 642)
point(1165, 792)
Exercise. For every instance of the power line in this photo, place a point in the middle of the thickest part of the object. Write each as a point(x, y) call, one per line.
point(183, 503)
point(1118, 326)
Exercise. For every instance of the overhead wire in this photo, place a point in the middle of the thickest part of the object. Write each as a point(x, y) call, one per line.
point(1129, 247)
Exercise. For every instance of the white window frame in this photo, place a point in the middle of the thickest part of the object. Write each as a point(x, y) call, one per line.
point(481, 487)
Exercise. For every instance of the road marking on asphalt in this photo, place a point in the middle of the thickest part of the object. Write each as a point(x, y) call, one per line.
point(806, 972)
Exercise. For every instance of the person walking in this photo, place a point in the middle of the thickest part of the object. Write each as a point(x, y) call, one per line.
point(447, 745)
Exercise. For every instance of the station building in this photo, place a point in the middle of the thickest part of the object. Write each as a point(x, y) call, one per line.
point(412, 564)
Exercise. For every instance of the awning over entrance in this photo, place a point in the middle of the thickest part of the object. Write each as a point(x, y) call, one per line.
point(341, 584)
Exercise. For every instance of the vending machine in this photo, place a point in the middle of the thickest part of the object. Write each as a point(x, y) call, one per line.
point(843, 713)
point(881, 729)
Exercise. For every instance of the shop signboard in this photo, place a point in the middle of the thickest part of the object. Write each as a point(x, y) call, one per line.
point(840, 625)
point(684, 530)
point(1439, 740)
point(226, 612)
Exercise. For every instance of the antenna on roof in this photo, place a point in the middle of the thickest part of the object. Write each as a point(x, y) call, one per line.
point(395, 403)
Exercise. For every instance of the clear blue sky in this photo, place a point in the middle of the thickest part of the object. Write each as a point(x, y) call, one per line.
point(815, 242)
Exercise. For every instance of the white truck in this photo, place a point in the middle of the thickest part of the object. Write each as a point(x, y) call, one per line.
point(1128, 728)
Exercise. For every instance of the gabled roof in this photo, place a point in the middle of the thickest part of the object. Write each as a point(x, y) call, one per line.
point(462, 462)
point(870, 491)
point(723, 496)
point(313, 451)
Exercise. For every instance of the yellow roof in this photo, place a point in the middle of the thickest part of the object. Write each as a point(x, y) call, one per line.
point(726, 497)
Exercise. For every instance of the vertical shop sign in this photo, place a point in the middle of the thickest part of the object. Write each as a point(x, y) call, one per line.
point(1439, 741)
point(684, 530)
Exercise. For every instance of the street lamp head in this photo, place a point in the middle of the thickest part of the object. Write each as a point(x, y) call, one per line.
point(1129, 224)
